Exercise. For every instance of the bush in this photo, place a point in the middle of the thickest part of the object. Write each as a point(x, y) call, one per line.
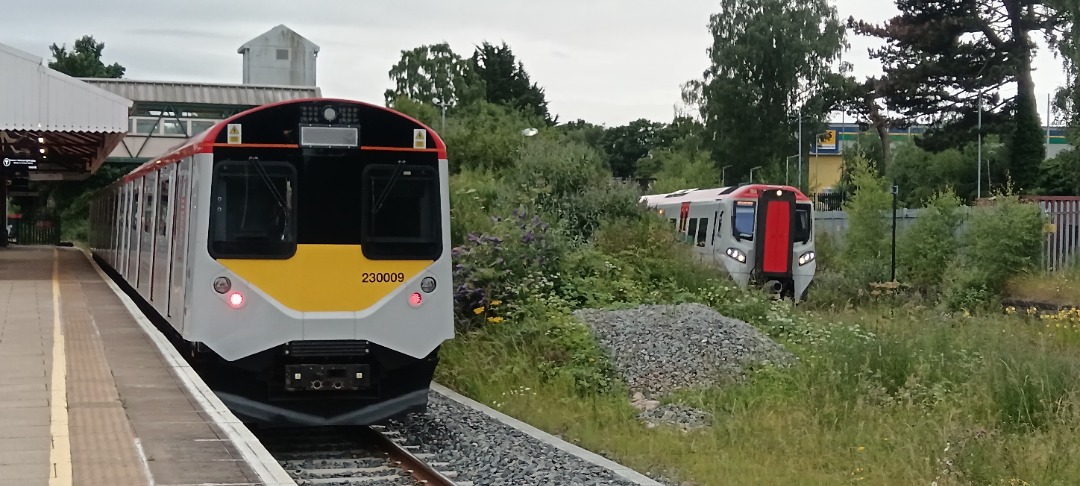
point(493, 269)
point(569, 182)
point(867, 247)
point(931, 244)
point(473, 197)
point(1003, 240)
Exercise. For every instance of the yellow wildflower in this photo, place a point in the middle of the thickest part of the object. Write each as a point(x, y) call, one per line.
point(861, 448)
point(495, 320)
point(495, 303)
point(478, 310)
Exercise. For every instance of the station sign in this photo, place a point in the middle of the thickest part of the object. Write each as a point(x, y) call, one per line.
point(11, 164)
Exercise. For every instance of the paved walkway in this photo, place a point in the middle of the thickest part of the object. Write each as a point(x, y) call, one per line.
point(85, 397)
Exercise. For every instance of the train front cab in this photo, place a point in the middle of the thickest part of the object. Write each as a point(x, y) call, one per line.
point(762, 236)
point(357, 293)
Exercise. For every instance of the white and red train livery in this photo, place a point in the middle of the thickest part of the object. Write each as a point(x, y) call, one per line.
point(760, 234)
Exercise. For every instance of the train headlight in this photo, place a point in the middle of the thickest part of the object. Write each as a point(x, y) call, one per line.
point(329, 114)
point(236, 300)
point(736, 255)
point(222, 285)
point(807, 258)
point(427, 284)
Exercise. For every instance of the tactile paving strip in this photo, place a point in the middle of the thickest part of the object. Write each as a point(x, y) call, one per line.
point(102, 448)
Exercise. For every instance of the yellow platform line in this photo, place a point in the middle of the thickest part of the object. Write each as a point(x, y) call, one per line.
point(60, 454)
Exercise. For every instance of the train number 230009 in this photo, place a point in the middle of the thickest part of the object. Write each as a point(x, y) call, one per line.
point(379, 277)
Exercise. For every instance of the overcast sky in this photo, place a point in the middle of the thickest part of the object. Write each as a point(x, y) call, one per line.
point(606, 61)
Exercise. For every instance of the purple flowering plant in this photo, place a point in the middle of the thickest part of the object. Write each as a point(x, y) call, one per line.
point(491, 269)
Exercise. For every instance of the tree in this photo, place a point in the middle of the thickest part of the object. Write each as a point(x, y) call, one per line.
point(84, 60)
point(434, 74)
point(627, 144)
point(506, 82)
point(862, 101)
point(1067, 45)
point(943, 56)
point(584, 132)
point(771, 64)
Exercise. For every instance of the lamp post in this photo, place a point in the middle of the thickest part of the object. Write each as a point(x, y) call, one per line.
point(752, 173)
point(442, 104)
point(723, 175)
point(787, 169)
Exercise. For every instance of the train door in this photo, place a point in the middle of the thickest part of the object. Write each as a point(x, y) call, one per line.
point(146, 234)
point(180, 234)
point(159, 286)
point(776, 234)
point(134, 214)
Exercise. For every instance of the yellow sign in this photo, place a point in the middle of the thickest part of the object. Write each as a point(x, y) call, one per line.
point(234, 133)
point(419, 138)
point(827, 140)
point(1049, 228)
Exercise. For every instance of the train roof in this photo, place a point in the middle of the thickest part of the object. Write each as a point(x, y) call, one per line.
point(204, 142)
point(749, 191)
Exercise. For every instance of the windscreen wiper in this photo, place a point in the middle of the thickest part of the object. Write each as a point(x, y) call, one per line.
point(273, 190)
point(386, 190)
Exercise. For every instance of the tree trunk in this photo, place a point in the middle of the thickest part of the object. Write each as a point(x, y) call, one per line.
point(1027, 149)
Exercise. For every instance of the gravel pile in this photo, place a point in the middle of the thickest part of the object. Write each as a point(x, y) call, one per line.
point(678, 415)
point(487, 452)
point(661, 348)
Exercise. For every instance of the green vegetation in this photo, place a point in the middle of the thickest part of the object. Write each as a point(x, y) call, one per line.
point(920, 382)
point(916, 381)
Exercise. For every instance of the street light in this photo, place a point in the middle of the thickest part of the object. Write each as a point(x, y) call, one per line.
point(442, 104)
point(752, 173)
point(723, 175)
point(787, 169)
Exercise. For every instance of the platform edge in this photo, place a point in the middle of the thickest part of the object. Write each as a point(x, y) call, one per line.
point(270, 472)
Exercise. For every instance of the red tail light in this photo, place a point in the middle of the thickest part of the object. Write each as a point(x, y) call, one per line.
point(416, 299)
point(236, 300)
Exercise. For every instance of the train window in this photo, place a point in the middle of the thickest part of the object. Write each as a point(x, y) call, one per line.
point(743, 220)
point(400, 215)
point(691, 230)
point(148, 204)
point(703, 231)
point(163, 204)
point(803, 224)
point(251, 212)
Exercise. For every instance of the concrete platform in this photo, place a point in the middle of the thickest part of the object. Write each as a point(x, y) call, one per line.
point(87, 396)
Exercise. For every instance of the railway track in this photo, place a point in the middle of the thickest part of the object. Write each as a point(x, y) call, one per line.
point(350, 456)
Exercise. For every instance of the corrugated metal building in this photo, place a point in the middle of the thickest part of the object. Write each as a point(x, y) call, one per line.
point(279, 56)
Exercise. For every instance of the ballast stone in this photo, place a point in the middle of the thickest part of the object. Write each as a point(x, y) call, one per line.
point(661, 348)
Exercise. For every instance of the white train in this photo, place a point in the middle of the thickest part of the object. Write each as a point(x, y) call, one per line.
point(760, 234)
point(299, 252)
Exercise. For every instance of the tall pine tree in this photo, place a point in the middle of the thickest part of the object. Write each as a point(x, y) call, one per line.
point(943, 56)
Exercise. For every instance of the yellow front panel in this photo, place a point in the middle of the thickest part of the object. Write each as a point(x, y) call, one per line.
point(326, 278)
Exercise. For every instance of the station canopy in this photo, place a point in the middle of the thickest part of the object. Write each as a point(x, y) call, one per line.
point(54, 126)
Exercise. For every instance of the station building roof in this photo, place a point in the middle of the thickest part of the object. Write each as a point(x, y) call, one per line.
point(196, 93)
point(67, 125)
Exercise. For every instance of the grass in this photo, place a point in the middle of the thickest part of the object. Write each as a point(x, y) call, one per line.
point(1059, 288)
point(880, 396)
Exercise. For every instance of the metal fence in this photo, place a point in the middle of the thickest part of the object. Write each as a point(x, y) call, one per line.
point(40, 230)
point(1063, 230)
point(1060, 248)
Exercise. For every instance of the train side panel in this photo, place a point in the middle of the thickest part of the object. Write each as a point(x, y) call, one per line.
point(181, 238)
